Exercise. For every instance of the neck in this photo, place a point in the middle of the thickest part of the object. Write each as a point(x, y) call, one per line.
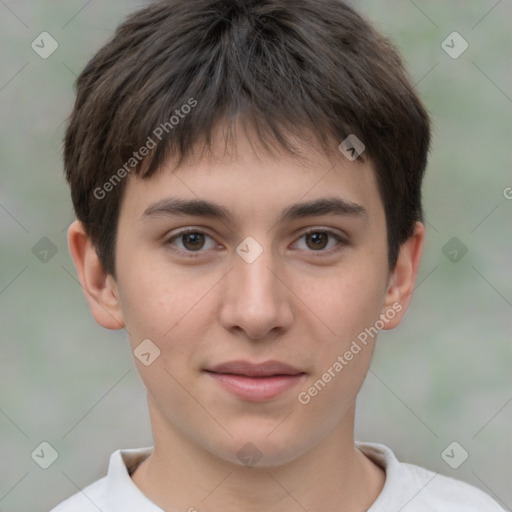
point(181, 475)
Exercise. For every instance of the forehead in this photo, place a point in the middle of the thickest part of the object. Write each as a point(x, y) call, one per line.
point(246, 179)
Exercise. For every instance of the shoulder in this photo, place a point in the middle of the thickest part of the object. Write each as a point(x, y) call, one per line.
point(449, 493)
point(115, 491)
point(88, 499)
point(411, 488)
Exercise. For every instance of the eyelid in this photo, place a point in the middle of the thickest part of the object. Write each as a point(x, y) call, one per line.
point(320, 229)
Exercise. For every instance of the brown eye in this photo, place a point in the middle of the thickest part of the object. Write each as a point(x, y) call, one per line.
point(317, 240)
point(193, 241)
point(190, 241)
point(323, 242)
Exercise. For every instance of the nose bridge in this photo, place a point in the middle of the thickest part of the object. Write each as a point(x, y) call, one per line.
point(255, 300)
point(255, 278)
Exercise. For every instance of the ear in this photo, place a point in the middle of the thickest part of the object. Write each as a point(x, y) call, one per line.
point(99, 288)
point(403, 277)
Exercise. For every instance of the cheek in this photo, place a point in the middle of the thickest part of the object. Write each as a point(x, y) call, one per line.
point(161, 305)
point(348, 304)
point(347, 301)
point(350, 308)
point(171, 312)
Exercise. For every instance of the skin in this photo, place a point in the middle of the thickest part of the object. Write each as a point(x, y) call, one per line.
point(296, 303)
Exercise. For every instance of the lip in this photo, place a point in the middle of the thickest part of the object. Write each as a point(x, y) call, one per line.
point(256, 382)
point(248, 369)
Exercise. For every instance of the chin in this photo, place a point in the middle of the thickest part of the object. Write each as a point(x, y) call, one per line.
point(252, 447)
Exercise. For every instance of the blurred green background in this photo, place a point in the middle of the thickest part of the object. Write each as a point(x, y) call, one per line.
point(442, 376)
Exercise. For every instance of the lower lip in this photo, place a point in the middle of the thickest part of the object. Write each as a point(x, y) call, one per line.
point(256, 389)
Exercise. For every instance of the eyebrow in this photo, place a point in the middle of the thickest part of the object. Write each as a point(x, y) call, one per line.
point(173, 207)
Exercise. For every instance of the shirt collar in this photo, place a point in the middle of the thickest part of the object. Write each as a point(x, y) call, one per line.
point(121, 492)
point(403, 482)
point(125, 496)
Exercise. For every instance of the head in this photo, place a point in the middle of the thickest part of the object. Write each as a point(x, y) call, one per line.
point(245, 104)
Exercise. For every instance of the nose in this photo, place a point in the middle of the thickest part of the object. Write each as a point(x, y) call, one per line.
point(255, 299)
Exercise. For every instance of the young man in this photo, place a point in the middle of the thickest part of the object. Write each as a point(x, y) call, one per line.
point(247, 182)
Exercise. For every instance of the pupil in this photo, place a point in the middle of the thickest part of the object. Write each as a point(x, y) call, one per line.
point(197, 240)
point(317, 239)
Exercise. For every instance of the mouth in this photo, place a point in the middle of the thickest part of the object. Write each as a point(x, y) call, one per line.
point(256, 382)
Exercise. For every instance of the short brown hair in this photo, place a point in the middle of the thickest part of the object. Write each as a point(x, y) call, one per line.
point(281, 65)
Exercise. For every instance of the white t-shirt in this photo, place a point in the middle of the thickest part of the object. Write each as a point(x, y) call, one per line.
point(407, 488)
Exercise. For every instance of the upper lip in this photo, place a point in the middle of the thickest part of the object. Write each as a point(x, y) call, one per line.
point(264, 369)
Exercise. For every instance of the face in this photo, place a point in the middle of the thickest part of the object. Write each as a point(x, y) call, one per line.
point(260, 282)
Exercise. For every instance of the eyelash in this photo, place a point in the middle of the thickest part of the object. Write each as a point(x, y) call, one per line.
point(320, 253)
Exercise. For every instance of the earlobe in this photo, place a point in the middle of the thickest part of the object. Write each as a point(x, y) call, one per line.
point(99, 288)
point(403, 278)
